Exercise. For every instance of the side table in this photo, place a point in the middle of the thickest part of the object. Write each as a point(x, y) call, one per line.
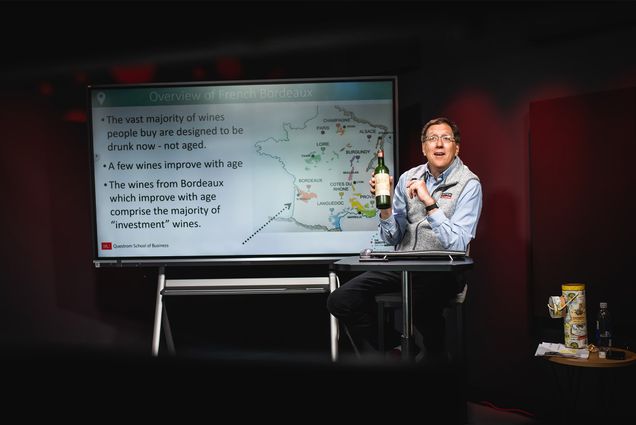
point(603, 388)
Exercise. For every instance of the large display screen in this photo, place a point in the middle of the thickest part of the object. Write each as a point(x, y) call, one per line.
point(245, 169)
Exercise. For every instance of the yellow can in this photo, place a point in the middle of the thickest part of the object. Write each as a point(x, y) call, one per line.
point(575, 321)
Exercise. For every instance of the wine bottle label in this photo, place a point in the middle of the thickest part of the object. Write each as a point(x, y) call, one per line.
point(382, 184)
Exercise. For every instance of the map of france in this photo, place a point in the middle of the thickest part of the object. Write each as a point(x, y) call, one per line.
point(329, 156)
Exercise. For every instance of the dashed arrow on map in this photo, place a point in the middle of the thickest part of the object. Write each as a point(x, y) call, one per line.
point(287, 206)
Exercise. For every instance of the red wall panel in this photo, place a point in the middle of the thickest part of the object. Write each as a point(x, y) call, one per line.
point(581, 200)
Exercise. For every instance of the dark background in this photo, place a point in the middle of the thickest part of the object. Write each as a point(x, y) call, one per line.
point(543, 92)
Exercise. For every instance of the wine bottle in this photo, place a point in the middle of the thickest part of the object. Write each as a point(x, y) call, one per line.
point(382, 184)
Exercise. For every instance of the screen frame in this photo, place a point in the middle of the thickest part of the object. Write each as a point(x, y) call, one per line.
point(218, 259)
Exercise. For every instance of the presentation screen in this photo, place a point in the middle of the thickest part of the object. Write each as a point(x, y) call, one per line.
point(240, 169)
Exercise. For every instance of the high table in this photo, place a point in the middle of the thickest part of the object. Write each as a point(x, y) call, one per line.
point(405, 267)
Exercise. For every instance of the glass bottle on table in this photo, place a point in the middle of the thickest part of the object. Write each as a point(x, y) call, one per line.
point(603, 328)
point(382, 184)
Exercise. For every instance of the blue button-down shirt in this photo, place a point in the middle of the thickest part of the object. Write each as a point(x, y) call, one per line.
point(454, 233)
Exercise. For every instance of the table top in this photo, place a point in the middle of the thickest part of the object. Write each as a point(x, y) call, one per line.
point(594, 361)
point(432, 265)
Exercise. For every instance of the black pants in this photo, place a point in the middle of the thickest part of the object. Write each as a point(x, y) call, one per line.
point(353, 304)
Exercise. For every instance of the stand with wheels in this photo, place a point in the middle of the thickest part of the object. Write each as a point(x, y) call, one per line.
point(235, 286)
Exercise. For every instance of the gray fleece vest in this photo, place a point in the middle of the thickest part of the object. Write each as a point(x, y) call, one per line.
point(419, 235)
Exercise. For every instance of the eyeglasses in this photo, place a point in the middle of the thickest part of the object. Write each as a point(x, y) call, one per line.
point(446, 139)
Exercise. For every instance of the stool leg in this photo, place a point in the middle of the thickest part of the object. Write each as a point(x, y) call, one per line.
point(353, 343)
point(381, 327)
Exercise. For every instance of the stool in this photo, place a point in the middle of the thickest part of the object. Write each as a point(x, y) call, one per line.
point(393, 301)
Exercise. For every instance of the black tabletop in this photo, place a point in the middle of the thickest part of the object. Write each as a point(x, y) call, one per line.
point(428, 265)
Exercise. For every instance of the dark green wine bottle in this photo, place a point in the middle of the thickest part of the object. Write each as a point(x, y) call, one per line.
point(382, 184)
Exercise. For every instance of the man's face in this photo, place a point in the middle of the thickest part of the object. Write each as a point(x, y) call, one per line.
point(439, 147)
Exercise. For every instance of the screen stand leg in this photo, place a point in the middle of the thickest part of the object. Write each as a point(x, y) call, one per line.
point(407, 324)
point(156, 334)
point(333, 284)
point(168, 331)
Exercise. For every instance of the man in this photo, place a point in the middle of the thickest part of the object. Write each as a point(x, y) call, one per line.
point(435, 205)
